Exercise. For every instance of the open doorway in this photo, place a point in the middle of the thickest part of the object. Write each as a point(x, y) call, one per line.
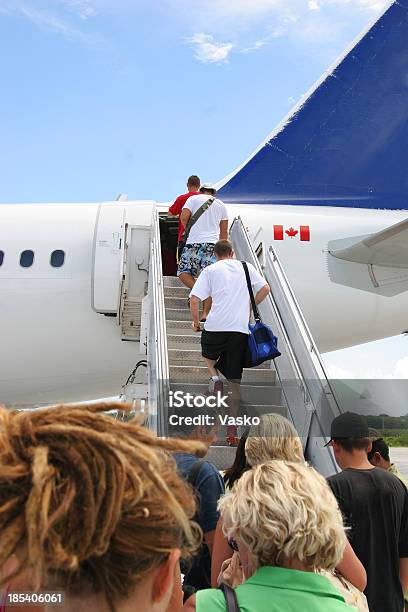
point(168, 241)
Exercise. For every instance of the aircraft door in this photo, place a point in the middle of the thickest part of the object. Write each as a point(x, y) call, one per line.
point(138, 250)
point(107, 258)
point(135, 272)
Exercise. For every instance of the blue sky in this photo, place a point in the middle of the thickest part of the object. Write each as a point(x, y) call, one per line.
point(107, 96)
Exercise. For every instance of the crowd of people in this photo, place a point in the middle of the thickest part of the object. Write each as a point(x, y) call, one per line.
point(115, 518)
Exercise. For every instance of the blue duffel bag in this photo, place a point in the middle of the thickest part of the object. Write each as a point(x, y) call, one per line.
point(262, 343)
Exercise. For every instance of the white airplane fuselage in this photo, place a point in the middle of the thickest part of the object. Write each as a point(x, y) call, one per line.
point(56, 347)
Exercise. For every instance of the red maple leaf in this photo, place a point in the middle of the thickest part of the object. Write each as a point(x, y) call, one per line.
point(291, 232)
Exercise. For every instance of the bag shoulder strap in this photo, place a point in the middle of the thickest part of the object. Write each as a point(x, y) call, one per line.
point(230, 597)
point(194, 218)
point(194, 471)
point(250, 291)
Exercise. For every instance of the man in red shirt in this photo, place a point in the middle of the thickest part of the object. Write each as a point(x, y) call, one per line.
point(193, 186)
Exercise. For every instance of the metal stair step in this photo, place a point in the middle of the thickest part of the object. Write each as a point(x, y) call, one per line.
point(192, 355)
point(193, 373)
point(250, 394)
point(172, 281)
point(178, 314)
point(259, 409)
point(255, 410)
point(193, 339)
point(180, 327)
point(184, 343)
point(176, 302)
point(187, 350)
point(179, 356)
point(178, 292)
point(130, 320)
point(186, 355)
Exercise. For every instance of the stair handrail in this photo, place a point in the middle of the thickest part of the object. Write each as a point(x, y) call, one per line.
point(300, 370)
point(158, 362)
point(273, 261)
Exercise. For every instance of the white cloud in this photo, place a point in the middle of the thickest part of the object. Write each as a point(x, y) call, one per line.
point(209, 51)
point(231, 9)
point(377, 360)
point(310, 23)
point(401, 368)
point(371, 5)
point(223, 14)
point(280, 27)
point(291, 100)
point(47, 20)
point(82, 8)
point(338, 373)
point(255, 47)
point(374, 5)
point(54, 20)
point(283, 23)
point(246, 25)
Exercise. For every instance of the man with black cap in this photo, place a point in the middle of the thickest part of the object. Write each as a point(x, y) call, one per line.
point(374, 504)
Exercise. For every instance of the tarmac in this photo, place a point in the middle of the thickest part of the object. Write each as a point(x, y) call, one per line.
point(399, 456)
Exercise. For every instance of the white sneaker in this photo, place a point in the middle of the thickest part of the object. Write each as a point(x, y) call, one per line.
point(215, 386)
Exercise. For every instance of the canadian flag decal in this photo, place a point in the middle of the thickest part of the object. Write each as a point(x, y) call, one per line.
point(303, 233)
point(278, 232)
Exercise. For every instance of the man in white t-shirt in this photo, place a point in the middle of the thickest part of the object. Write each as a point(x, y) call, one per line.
point(224, 339)
point(210, 227)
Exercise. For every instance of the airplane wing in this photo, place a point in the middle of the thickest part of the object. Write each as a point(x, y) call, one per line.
point(377, 263)
point(388, 248)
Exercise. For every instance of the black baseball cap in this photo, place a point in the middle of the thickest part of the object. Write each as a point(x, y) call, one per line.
point(348, 425)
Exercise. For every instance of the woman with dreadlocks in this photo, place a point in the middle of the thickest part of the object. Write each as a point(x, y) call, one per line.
point(93, 507)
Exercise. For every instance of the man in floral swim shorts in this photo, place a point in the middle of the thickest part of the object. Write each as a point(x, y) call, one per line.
point(210, 226)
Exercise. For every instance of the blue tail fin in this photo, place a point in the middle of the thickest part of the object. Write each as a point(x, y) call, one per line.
point(347, 143)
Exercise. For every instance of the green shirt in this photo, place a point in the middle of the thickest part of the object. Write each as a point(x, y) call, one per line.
point(277, 589)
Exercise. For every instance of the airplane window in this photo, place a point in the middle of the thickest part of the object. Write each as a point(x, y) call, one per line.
point(57, 258)
point(1, 257)
point(26, 259)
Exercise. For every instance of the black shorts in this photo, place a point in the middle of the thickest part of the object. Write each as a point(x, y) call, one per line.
point(229, 348)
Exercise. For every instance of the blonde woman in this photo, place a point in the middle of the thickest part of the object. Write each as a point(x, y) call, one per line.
point(287, 525)
point(276, 438)
point(93, 507)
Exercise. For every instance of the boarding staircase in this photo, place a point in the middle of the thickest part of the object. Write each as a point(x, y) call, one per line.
point(295, 385)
